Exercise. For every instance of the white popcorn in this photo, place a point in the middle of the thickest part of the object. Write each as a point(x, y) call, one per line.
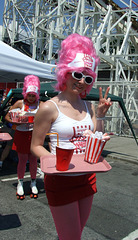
point(22, 113)
point(97, 135)
point(87, 133)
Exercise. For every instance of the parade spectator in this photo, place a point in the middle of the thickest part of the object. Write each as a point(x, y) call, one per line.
point(9, 128)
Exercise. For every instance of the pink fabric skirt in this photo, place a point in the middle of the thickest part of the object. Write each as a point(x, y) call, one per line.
point(22, 141)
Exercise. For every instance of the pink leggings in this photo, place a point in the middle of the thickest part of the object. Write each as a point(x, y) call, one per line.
point(70, 219)
point(22, 165)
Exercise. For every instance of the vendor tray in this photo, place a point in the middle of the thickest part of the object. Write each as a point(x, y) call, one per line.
point(77, 165)
point(5, 137)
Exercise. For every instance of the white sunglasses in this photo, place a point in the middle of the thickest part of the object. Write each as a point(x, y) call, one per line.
point(78, 76)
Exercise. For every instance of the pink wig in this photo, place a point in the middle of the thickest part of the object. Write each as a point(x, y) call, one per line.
point(72, 45)
point(29, 81)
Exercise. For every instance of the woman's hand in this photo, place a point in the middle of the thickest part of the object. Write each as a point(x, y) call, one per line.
point(106, 137)
point(104, 103)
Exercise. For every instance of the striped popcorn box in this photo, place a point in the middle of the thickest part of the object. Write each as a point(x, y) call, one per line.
point(14, 116)
point(94, 147)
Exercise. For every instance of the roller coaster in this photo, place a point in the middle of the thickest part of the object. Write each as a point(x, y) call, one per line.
point(37, 27)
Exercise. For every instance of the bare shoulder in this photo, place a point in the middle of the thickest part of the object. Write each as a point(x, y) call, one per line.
point(91, 107)
point(17, 104)
point(47, 106)
point(47, 111)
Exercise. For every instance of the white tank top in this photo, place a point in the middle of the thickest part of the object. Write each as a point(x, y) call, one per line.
point(29, 110)
point(70, 131)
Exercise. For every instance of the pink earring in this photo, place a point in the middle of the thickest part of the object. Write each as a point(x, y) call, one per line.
point(83, 94)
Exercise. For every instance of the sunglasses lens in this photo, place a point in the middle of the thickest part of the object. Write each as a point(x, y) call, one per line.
point(77, 75)
point(88, 80)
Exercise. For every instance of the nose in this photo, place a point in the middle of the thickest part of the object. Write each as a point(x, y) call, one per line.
point(82, 80)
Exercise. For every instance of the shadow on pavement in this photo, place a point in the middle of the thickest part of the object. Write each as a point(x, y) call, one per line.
point(105, 153)
point(9, 221)
point(9, 165)
point(8, 168)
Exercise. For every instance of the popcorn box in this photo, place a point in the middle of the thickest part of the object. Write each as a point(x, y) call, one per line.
point(17, 116)
point(94, 147)
point(22, 119)
point(14, 116)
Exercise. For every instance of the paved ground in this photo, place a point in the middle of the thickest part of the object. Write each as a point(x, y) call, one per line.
point(122, 148)
point(114, 214)
point(25, 220)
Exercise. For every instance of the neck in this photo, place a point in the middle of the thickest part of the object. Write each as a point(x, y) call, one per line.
point(71, 98)
point(28, 103)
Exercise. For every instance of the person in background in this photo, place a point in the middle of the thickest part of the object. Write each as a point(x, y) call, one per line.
point(10, 128)
point(23, 135)
point(70, 197)
point(6, 151)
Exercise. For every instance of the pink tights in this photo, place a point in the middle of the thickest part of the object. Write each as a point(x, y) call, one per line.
point(22, 165)
point(70, 219)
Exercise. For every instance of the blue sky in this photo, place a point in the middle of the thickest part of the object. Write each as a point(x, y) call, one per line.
point(1, 10)
point(2, 7)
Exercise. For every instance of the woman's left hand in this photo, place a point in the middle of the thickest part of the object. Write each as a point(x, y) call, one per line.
point(104, 103)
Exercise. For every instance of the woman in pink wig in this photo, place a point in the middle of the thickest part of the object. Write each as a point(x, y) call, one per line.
point(70, 197)
point(23, 134)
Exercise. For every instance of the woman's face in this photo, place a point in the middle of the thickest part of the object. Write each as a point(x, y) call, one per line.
point(77, 86)
point(31, 98)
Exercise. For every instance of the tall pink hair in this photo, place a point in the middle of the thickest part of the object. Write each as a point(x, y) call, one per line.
point(72, 45)
point(31, 80)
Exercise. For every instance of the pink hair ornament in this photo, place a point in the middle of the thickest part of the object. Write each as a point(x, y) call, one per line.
point(77, 53)
point(31, 85)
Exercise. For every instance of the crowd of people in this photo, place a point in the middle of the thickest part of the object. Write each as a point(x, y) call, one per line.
point(70, 197)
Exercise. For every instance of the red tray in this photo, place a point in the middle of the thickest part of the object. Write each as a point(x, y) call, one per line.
point(5, 137)
point(77, 165)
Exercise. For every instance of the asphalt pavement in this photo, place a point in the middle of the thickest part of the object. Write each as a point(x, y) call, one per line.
point(25, 220)
point(122, 148)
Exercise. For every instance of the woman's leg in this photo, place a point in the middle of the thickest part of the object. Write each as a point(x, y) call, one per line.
point(33, 171)
point(22, 160)
point(67, 221)
point(84, 210)
point(21, 168)
point(5, 153)
point(32, 166)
